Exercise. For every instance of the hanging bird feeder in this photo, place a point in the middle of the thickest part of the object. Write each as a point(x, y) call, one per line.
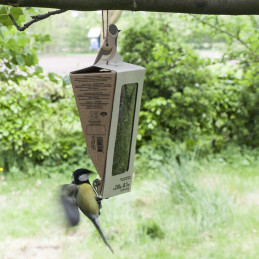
point(108, 96)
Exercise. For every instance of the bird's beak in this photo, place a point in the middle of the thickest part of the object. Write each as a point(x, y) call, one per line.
point(119, 30)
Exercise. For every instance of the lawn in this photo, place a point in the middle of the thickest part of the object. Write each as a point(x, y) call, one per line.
point(203, 208)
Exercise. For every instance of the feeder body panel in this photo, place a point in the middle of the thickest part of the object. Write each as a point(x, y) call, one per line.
point(108, 98)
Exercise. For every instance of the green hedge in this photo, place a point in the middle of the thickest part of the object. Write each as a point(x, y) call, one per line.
point(187, 99)
point(39, 121)
point(188, 102)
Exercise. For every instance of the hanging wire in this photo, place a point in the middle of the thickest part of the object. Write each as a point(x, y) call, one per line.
point(103, 23)
point(107, 25)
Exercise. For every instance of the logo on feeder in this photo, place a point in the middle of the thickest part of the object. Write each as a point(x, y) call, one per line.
point(103, 114)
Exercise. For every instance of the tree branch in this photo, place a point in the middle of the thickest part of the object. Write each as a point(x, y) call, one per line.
point(35, 18)
point(217, 28)
point(233, 7)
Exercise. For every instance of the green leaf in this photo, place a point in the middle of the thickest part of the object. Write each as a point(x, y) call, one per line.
point(15, 12)
point(11, 44)
point(29, 60)
point(4, 10)
point(53, 77)
point(38, 70)
point(20, 59)
point(5, 20)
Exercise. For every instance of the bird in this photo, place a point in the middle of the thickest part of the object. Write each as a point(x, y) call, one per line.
point(80, 194)
point(109, 46)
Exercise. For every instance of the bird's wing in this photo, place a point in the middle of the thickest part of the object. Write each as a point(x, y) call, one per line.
point(102, 52)
point(68, 201)
point(111, 54)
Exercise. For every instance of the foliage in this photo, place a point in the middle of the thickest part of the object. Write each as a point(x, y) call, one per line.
point(71, 35)
point(188, 103)
point(17, 13)
point(241, 88)
point(37, 112)
point(171, 71)
point(192, 100)
point(18, 51)
point(67, 32)
point(39, 120)
point(248, 129)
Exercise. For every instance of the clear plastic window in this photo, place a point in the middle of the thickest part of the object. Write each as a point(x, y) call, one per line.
point(125, 128)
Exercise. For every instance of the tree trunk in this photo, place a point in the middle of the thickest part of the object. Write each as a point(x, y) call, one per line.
point(232, 7)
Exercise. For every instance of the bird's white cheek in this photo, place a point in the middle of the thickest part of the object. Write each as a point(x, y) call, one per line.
point(83, 177)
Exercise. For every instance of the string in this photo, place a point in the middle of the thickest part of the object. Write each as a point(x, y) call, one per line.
point(107, 24)
point(103, 23)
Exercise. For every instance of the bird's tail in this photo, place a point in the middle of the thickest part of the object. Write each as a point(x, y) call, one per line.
point(97, 225)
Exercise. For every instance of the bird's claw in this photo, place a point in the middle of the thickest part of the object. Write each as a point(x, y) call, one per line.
point(96, 183)
point(98, 197)
point(99, 200)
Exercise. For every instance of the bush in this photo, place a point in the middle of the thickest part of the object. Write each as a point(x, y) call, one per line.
point(18, 50)
point(247, 122)
point(39, 120)
point(188, 103)
point(187, 99)
point(176, 94)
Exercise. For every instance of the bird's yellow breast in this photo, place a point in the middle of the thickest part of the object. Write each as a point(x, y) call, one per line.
point(86, 199)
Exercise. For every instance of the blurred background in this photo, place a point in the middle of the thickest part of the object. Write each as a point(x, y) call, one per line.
point(195, 190)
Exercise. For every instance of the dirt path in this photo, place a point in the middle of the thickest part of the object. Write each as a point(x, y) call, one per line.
point(62, 65)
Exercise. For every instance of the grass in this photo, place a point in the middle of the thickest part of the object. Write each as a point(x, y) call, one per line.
point(205, 208)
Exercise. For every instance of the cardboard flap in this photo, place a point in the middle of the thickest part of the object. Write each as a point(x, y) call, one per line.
point(92, 69)
point(94, 91)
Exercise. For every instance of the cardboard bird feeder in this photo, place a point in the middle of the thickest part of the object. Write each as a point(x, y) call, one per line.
point(108, 98)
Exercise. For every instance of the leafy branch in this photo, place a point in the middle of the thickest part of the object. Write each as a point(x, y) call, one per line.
point(236, 37)
point(35, 18)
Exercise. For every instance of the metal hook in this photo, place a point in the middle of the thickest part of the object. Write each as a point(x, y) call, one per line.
point(98, 197)
point(96, 183)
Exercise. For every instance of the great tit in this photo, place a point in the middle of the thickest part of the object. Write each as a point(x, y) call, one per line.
point(80, 194)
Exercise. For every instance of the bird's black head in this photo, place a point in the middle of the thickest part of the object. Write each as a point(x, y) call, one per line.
point(113, 29)
point(81, 176)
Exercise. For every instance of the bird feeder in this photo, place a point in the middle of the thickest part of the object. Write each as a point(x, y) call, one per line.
point(108, 98)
